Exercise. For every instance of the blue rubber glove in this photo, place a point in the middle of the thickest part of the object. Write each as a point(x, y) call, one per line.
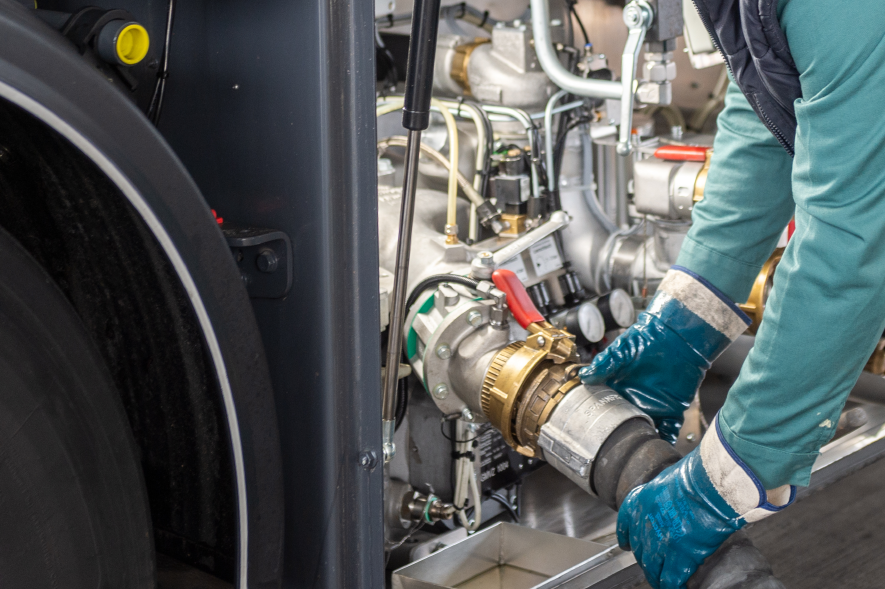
point(659, 362)
point(681, 517)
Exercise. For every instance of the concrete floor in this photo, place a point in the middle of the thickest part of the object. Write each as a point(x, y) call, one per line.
point(834, 538)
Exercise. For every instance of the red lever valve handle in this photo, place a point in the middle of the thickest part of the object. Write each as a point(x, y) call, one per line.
point(521, 305)
point(689, 153)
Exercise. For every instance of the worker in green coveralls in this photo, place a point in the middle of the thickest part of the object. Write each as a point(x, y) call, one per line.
point(824, 316)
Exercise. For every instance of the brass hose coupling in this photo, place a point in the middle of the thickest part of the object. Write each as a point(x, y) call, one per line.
point(527, 379)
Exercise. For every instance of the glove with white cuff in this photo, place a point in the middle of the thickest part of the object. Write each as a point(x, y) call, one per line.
point(659, 363)
point(673, 523)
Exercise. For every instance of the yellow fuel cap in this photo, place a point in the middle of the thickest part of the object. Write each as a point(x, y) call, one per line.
point(122, 42)
point(133, 43)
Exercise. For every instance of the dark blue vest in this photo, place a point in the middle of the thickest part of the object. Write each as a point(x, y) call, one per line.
point(750, 38)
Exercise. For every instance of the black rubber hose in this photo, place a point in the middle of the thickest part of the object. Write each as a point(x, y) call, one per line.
point(632, 456)
point(432, 281)
point(402, 402)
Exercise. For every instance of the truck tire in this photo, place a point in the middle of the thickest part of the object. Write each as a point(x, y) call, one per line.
point(73, 507)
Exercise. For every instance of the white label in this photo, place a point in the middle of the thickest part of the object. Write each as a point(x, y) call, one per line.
point(545, 256)
point(517, 266)
point(525, 190)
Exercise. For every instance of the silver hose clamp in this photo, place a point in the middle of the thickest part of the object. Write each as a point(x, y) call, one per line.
point(580, 425)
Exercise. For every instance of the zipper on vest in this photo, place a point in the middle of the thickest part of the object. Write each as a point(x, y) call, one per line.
point(778, 134)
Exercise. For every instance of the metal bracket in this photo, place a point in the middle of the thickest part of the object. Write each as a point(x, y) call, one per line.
point(264, 257)
point(638, 16)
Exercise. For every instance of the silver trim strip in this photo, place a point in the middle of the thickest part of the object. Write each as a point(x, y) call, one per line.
point(129, 190)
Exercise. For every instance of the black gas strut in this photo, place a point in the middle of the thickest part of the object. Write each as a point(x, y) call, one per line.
point(416, 117)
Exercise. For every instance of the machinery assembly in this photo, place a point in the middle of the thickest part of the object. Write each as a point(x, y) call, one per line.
point(333, 295)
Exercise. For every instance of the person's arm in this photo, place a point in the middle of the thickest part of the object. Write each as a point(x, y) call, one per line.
point(660, 361)
point(827, 308)
point(747, 202)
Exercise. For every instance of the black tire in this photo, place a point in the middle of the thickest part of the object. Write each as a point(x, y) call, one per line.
point(73, 507)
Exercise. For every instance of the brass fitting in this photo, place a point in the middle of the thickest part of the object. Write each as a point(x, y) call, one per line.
point(516, 222)
point(461, 60)
point(525, 382)
point(755, 305)
point(701, 182)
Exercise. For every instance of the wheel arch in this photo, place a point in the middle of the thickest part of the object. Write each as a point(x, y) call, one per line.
point(43, 75)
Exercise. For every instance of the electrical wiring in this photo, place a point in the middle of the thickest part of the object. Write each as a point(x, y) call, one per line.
point(501, 500)
point(465, 478)
point(156, 104)
point(571, 7)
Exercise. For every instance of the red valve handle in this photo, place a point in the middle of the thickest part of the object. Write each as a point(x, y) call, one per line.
point(686, 153)
point(521, 305)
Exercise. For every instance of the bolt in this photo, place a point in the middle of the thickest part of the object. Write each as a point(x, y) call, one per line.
point(632, 15)
point(441, 391)
point(368, 459)
point(541, 341)
point(474, 318)
point(267, 260)
point(444, 351)
point(690, 437)
point(467, 414)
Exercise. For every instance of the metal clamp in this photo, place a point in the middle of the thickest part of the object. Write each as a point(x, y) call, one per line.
point(579, 425)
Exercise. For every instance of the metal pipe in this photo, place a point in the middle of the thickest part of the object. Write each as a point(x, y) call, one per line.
point(469, 191)
point(551, 65)
point(400, 282)
point(569, 106)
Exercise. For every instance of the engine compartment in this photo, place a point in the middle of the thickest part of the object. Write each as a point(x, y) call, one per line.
point(572, 191)
point(553, 244)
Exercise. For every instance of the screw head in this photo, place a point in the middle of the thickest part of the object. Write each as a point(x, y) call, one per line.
point(267, 260)
point(368, 459)
point(474, 318)
point(633, 16)
point(690, 437)
point(444, 351)
point(440, 391)
point(541, 341)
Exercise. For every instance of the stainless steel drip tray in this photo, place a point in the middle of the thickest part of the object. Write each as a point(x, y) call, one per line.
point(504, 556)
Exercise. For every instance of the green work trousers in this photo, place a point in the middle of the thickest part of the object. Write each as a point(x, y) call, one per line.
point(827, 307)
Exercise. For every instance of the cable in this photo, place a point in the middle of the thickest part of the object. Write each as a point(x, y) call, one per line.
point(506, 505)
point(571, 6)
point(402, 401)
point(432, 281)
point(548, 138)
point(465, 479)
point(156, 104)
point(392, 73)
